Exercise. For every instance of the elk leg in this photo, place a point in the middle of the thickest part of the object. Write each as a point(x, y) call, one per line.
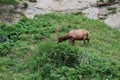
point(88, 40)
point(72, 42)
point(84, 41)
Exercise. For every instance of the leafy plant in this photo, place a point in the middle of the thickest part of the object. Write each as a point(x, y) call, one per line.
point(33, 0)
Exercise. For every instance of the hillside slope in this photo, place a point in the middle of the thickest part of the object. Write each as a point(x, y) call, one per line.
point(30, 50)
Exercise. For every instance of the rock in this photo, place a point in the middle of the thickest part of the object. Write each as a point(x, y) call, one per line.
point(87, 7)
point(113, 20)
point(91, 12)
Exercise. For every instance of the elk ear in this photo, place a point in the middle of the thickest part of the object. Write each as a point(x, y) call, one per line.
point(58, 31)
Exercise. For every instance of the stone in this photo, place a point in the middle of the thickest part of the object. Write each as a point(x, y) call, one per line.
point(113, 20)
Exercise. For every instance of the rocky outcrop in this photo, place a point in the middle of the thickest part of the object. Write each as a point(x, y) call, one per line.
point(47, 6)
point(113, 20)
point(90, 8)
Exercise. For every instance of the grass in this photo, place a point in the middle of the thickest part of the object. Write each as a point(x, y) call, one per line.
point(31, 52)
point(112, 9)
point(13, 2)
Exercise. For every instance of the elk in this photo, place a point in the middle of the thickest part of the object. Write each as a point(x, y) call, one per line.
point(78, 34)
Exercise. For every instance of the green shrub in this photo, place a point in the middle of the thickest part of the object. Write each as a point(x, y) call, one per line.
point(33, 0)
point(60, 55)
point(62, 61)
point(25, 5)
point(5, 48)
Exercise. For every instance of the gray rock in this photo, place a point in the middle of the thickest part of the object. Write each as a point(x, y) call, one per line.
point(87, 7)
point(113, 20)
point(92, 12)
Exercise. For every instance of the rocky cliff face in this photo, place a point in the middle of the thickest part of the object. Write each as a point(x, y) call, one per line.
point(93, 9)
point(110, 14)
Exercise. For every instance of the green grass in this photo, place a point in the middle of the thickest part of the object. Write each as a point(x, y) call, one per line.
point(33, 0)
point(13, 2)
point(32, 53)
point(112, 9)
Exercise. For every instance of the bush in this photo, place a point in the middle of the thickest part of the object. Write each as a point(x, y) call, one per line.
point(5, 48)
point(25, 5)
point(33, 0)
point(60, 55)
point(62, 61)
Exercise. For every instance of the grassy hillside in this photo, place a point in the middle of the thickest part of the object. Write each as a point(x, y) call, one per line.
point(31, 52)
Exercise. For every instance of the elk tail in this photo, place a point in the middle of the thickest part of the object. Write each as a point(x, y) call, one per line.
point(88, 37)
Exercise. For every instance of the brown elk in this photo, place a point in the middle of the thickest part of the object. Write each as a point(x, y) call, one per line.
point(78, 34)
